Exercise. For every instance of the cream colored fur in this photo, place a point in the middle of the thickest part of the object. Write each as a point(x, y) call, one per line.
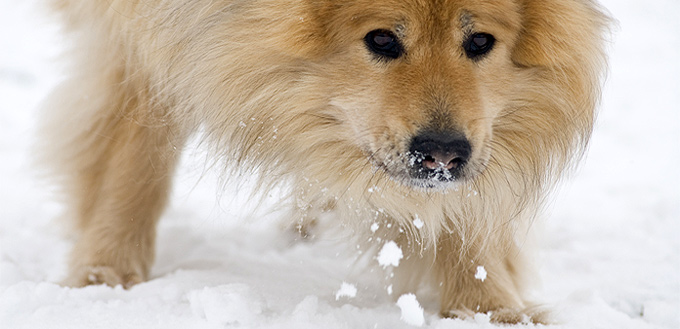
point(287, 89)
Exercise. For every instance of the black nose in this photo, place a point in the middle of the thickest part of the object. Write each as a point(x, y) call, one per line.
point(439, 155)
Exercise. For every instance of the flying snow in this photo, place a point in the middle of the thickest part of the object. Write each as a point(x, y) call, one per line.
point(390, 255)
point(481, 273)
point(346, 290)
point(418, 223)
point(411, 311)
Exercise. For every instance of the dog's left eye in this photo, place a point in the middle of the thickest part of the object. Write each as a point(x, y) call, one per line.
point(478, 44)
point(383, 43)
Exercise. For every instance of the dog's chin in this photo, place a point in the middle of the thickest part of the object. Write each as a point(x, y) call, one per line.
point(434, 185)
point(436, 182)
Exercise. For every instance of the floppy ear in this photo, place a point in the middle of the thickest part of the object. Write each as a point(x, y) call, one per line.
point(561, 53)
point(561, 34)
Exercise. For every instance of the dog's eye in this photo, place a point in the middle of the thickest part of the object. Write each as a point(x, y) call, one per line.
point(478, 44)
point(383, 43)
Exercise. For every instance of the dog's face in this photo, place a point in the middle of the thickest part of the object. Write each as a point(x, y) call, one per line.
point(421, 82)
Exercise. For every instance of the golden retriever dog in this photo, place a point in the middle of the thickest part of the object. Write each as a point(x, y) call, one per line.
point(442, 123)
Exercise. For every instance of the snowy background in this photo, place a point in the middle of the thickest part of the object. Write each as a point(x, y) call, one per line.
point(610, 255)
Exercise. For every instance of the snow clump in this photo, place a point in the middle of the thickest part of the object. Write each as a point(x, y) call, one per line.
point(418, 223)
point(481, 273)
point(390, 255)
point(346, 290)
point(411, 311)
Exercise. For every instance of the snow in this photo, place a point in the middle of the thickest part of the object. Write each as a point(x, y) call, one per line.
point(418, 223)
point(390, 254)
point(609, 257)
point(233, 304)
point(482, 318)
point(411, 311)
point(481, 273)
point(346, 290)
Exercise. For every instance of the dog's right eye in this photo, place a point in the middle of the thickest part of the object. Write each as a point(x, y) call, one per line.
point(478, 45)
point(383, 43)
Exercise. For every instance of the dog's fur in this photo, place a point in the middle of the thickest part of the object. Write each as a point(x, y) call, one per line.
point(288, 89)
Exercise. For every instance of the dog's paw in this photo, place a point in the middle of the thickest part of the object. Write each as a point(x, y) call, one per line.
point(97, 275)
point(535, 315)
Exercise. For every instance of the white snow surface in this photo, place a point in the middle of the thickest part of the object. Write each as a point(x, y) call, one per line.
point(609, 257)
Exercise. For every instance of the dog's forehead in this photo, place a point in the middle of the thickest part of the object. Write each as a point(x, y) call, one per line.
point(436, 14)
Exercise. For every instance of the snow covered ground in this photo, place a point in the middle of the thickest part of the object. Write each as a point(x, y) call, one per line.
point(610, 255)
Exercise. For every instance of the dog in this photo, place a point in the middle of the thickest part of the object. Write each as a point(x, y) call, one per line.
point(439, 125)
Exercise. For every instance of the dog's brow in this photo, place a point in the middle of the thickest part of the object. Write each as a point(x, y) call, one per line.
point(466, 22)
point(400, 30)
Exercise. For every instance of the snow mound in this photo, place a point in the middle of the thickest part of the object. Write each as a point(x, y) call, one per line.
point(233, 304)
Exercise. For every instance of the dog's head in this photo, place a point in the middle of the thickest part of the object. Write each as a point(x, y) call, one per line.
point(431, 92)
point(423, 86)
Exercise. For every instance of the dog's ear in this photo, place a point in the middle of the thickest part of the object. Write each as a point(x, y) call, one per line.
point(559, 33)
point(562, 44)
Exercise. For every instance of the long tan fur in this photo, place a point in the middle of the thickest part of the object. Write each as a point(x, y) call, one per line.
point(288, 89)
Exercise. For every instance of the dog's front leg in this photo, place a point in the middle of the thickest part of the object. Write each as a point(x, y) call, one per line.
point(119, 192)
point(476, 278)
